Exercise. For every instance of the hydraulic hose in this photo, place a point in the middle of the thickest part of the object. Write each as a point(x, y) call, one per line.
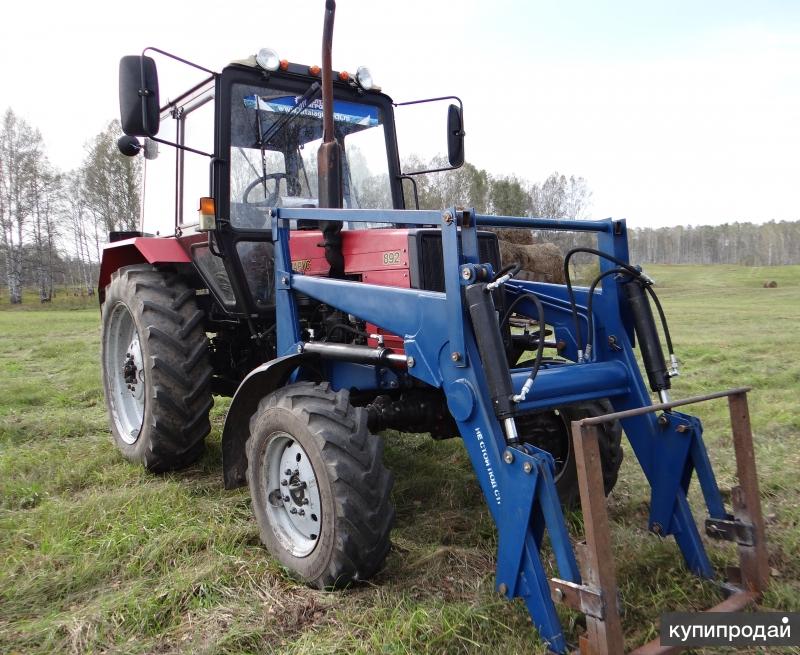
point(622, 268)
point(513, 268)
point(592, 251)
point(595, 282)
point(539, 345)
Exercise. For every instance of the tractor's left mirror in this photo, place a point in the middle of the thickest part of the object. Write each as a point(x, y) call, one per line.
point(138, 96)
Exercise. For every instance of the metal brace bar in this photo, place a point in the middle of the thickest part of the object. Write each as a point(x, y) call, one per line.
point(604, 633)
point(731, 530)
point(616, 416)
point(579, 597)
point(746, 499)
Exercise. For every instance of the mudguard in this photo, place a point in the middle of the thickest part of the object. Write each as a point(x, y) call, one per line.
point(139, 250)
point(260, 382)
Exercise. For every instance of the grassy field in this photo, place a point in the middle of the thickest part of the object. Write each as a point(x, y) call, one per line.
point(98, 556)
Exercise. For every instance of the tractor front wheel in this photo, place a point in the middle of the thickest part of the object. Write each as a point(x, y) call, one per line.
point(155, 368)
point(551, 431)
point(319, 490)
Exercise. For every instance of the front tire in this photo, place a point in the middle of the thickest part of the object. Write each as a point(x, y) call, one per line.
point(320, 492)
point(156, 373)
point(551, 431)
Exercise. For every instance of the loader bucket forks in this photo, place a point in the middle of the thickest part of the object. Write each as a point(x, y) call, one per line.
point(596, 597)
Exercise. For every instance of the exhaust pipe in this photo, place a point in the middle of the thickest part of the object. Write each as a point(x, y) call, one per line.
point(329, 155)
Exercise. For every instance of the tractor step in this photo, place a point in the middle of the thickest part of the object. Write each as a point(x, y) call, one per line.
point(598, 596)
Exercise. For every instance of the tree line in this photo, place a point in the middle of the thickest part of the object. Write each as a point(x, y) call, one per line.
point(560, 196)
point(53, 223)
point(749, 244)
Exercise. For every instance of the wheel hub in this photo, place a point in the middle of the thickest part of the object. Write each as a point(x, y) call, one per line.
point(294, 502)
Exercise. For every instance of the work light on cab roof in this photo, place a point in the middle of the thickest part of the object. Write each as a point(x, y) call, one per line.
point(268, 59)
point(364, 78)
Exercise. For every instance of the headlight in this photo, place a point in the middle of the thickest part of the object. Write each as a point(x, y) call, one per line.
point(268, 59)
point(364, 78)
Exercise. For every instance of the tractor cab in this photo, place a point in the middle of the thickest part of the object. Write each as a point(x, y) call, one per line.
point(246, 141)
point(275, 133)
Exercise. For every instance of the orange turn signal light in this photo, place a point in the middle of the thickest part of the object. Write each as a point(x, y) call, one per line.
point(207, 218)
point(314, 70)
point(284, 65)
point(207, 206)
point(344, 76)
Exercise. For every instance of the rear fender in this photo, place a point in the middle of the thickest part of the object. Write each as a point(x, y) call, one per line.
point(259, 382)
point(139, 250)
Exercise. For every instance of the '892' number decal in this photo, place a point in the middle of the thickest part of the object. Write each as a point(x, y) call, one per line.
point(391, 257)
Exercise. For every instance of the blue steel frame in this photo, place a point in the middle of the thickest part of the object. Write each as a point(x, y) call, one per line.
point(517, 482)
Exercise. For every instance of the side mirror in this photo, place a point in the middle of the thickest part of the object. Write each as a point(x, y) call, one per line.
point(455, 136)
point(138, 96)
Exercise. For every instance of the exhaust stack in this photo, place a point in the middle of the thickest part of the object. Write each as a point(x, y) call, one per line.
point(329, 155)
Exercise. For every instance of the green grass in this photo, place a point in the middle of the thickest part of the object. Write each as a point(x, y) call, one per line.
point(98, 556)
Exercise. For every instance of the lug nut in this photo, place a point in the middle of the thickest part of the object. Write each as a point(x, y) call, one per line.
point(287, 472)
point(305, 501)
point(284, 483)
point(293, 510)
point(286, 499)
point(302, 512)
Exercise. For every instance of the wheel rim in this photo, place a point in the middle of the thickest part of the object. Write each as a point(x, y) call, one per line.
point(124, 367)
point(292, 495)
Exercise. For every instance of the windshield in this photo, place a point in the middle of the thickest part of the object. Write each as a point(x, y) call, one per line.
point(274, 141)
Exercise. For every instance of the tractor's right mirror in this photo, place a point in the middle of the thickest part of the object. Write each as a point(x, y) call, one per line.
point(419, 134)
point(138, 96)
point(455, 136)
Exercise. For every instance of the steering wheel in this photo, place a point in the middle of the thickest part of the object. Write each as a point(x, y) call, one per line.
point(272, 196)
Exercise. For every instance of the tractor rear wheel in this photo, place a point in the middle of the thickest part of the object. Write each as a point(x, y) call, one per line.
point(319, 490)
point(155, 368)
point(551, 431)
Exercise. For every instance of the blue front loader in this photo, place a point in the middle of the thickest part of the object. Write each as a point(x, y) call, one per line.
point(442, 350)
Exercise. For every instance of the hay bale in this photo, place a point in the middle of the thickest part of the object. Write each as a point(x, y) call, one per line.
point(772, 284)
point(541, 262)
point(514, 235)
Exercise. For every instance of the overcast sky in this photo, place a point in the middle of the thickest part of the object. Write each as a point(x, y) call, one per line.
point(675, 112)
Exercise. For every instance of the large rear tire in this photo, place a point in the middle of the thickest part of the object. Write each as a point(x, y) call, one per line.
point(156, 374)
point(551, 432)
point(319, 489)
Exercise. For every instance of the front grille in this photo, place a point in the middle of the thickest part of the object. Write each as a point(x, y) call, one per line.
point(427, 261)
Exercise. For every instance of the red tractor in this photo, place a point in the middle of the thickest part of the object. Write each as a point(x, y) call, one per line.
point(306, 290)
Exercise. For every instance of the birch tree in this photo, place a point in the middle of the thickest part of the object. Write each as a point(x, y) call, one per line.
point(20, 152)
